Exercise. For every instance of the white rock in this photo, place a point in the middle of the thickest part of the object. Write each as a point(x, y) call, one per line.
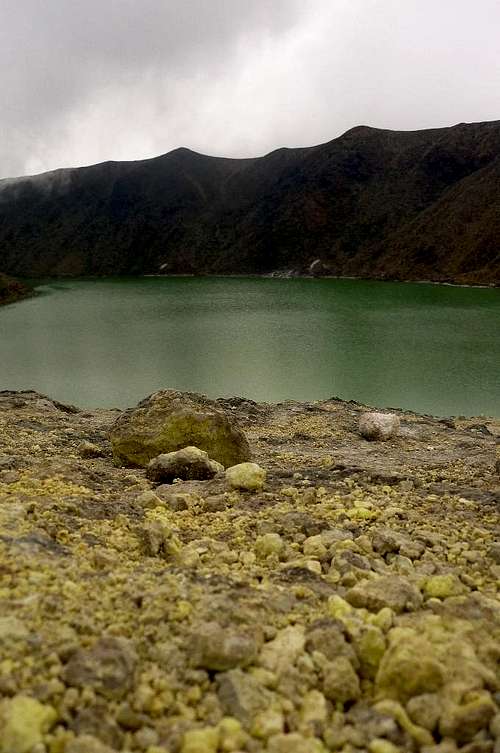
point(248, 476)
point(378, 426)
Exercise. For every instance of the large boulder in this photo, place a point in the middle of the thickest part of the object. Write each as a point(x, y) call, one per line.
point(169, 420)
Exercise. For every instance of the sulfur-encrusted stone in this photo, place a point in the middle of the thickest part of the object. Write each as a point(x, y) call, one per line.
point(370, 647)
point(395, 592)
point(168, 420)
point(442, 586)
point(284, 650)
point(396, 711)
point(409, 667)
point(87, 744)
point(267, 723)
point(268, 544)
point(294, 743)
point(205, 740)
point(241, 695)
point(425, 710)
point(232, 737)
point(108, 667)
point(341, 682)
point(327, 637)
point(462, 722)
point(219, 648)
point(246, 476)
point(23, 723)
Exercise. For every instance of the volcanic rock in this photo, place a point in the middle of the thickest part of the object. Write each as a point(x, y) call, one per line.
point(168, 420)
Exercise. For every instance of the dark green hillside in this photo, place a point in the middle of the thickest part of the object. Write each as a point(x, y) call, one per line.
point(375, 203)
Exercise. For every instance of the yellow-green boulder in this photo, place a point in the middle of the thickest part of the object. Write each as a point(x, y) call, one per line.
point(168, 420)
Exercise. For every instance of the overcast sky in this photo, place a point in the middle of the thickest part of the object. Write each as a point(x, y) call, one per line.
point(86, 81)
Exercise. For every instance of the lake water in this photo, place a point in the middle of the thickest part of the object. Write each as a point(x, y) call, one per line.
point(111, 342)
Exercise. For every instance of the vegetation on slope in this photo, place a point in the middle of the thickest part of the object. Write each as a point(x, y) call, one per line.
point(373, 203)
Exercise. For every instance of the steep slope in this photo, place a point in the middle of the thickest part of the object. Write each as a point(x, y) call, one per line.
point(403, 205)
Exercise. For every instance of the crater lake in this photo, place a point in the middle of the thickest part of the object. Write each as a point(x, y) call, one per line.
point(110, 342)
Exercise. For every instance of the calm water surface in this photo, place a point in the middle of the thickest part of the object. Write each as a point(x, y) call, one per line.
point(111, 342)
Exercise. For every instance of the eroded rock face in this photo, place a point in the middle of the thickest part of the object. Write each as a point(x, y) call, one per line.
point(169, 420)
point(378, 426)
point(188, 464)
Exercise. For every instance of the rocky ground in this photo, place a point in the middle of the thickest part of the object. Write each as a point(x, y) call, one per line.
point(350, 605)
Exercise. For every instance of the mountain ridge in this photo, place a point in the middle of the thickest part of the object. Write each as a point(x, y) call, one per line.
point(370, 203)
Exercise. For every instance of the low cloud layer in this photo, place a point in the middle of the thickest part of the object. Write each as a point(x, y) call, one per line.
point(121, 79)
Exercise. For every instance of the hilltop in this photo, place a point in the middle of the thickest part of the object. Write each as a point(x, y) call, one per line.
point(371, 203)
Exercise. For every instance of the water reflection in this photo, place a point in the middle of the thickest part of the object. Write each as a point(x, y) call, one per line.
point(111, 342)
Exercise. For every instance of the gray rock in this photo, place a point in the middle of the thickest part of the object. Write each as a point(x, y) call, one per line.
point(241, 696)
point(90, 450)
point(169, 420)
point(341, 683)
point(387, 541)
point(218, 648)
point(189, 464)
point(108, 667)
point(494, 552)
point(327, 637)
point(395, 592)
point(378, 426)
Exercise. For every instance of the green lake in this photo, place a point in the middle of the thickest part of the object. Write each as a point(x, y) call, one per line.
point(110, 342)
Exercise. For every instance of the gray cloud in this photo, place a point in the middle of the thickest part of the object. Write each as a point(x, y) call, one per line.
point(122, 79)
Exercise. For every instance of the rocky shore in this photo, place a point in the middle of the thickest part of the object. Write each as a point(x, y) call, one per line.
point(348, 601)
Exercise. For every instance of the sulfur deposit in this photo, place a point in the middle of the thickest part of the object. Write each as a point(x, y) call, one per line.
point(337, 594)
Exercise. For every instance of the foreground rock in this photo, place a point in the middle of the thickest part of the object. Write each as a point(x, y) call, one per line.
point(378, 426)
point(169, 420)
point(246, 476)
point(188, 464)
point(351, 604)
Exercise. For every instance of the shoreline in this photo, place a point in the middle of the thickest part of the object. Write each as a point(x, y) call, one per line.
point(273, 276)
